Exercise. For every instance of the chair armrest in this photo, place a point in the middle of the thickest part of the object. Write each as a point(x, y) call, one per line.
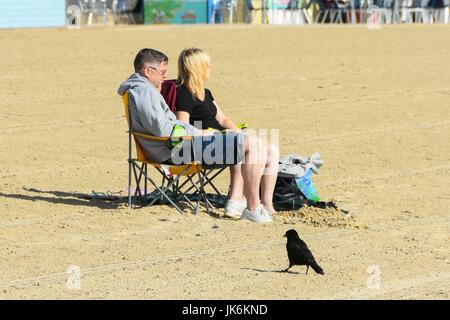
point(150, 137)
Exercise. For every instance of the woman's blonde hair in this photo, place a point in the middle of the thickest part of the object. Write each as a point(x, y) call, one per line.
point(193, 64)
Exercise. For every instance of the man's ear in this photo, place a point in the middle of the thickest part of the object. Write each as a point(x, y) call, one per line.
point(146, 72)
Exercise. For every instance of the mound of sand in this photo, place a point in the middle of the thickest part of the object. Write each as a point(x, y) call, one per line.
point(330, 217)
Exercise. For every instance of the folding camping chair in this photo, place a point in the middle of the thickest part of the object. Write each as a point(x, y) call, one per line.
point(385, 10)
point(330, 9)
point(251, 10)
point(128, 9)
point(296, 11)
point(413, 11)
point(172, 192)
point(94, 8)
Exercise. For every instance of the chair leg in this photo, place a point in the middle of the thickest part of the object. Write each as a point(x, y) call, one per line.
point(165, 196)
point(307, 16)
point(138, 180)
point(408, 17)
point(209, 181)
point(194, 185)
point(205, 183)
point(317, 17)
point(137, 177)
point(170, 184)
point(163, 183)
point(188, 179)
point(202, 191)
point(207, 174)
point(145, 182)
point(162, 192)
point(333, 16)
point(338, 17)
point(137, 192)
point(129, 183)
point(248, 17)
point(132, 18)
point(330, 17)
point(391, 16)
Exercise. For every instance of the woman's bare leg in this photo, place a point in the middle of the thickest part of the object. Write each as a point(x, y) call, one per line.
point(269, 178)
point(237, 183)
point(252, 169)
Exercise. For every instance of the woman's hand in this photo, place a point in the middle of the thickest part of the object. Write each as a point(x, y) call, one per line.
point(183, 116)
point(207, 132)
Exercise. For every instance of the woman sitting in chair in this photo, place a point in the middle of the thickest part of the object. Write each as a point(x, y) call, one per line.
point(196, 105)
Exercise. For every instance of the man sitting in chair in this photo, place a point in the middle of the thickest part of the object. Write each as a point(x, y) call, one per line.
point(151, 115)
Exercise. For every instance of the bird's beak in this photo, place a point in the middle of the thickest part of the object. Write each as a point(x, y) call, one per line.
point(284, 236)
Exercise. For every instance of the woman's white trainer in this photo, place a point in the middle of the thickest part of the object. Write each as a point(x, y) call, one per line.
point(259, 215)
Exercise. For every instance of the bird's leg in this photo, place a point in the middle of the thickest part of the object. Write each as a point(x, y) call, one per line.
point(307, 267)
point(288, 268)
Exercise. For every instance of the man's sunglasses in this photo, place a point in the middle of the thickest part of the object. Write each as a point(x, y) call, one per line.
point(161, 73)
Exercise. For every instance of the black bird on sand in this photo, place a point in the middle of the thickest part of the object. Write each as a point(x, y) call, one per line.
point(299, 253)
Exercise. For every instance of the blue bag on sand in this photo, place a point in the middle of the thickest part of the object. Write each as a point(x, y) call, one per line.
point(307, 187)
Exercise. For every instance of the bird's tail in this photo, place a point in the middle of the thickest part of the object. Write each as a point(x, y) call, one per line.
point(317, 268)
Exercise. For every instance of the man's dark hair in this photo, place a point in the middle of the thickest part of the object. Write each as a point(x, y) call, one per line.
point(146, 57)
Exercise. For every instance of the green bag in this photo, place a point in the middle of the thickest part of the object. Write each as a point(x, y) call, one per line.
point(178, 131)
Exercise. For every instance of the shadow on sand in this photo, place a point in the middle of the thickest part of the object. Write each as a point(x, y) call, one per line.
point(276, 271)
point(69, 198)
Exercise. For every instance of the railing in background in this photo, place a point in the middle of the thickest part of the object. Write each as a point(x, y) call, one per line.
point(267, 11)
point(328, 11)
point(59, 13)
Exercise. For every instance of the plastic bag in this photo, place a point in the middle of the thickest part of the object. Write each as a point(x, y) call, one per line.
point(306, 186)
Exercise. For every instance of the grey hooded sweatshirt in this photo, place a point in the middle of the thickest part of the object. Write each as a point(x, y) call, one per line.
point(151, 115)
